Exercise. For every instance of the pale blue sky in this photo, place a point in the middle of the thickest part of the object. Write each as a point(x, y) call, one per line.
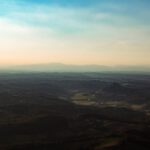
point(105, 32)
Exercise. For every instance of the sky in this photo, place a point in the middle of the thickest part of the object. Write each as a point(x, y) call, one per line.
point(102, 32)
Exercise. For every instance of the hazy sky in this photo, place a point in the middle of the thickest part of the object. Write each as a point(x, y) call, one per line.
point(105, 32)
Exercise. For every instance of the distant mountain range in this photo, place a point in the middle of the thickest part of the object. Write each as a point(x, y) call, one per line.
point(58, 67)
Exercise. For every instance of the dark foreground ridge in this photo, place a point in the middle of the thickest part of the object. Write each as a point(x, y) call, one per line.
point(74, 111)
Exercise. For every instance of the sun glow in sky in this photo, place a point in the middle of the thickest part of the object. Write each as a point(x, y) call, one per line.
point(104, 32)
